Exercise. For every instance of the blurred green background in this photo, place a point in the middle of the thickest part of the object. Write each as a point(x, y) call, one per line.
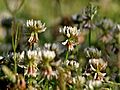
point(49, 10)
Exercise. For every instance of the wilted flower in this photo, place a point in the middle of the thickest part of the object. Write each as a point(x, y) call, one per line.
point(21, 82)
point(32, 70)
point(49, 73)
point(72, 34)
point(33, 38)
point(106, 38)
point(69, 44)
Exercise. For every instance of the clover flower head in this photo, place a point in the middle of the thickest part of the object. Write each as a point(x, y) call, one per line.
point(34, 55)
point(97, 64)
point(79, 79)
point(72, 63)
point(48, 55)
point(56, 47)
point(36, 26)
point(69, 31)
point(94, 83)
point(72, 34)
point(92, 52)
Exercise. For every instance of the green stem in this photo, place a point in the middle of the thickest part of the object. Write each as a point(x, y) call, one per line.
point(14, 44)
point(112, 83)
point(30, 80)
point(46, 85)
point(89, 37)
point(67, 53)
point(15, 63)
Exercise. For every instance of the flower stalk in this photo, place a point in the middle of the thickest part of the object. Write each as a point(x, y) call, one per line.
point(67, 54)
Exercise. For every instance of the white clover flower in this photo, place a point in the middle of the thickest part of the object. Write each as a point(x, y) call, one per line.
point(97, 64)
point(57, 47)
point(79, 79)
point(64, 43)
point(99, 76)
point(67, 62)
point(36, 25)
point(94, 83)
point(31, 54)
point(72, 63)
point(72, 34)
point(34, 55)
point(92, 52)
point(69, 31)
point(48, 55)
point(29, 23)
point(97, 83)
